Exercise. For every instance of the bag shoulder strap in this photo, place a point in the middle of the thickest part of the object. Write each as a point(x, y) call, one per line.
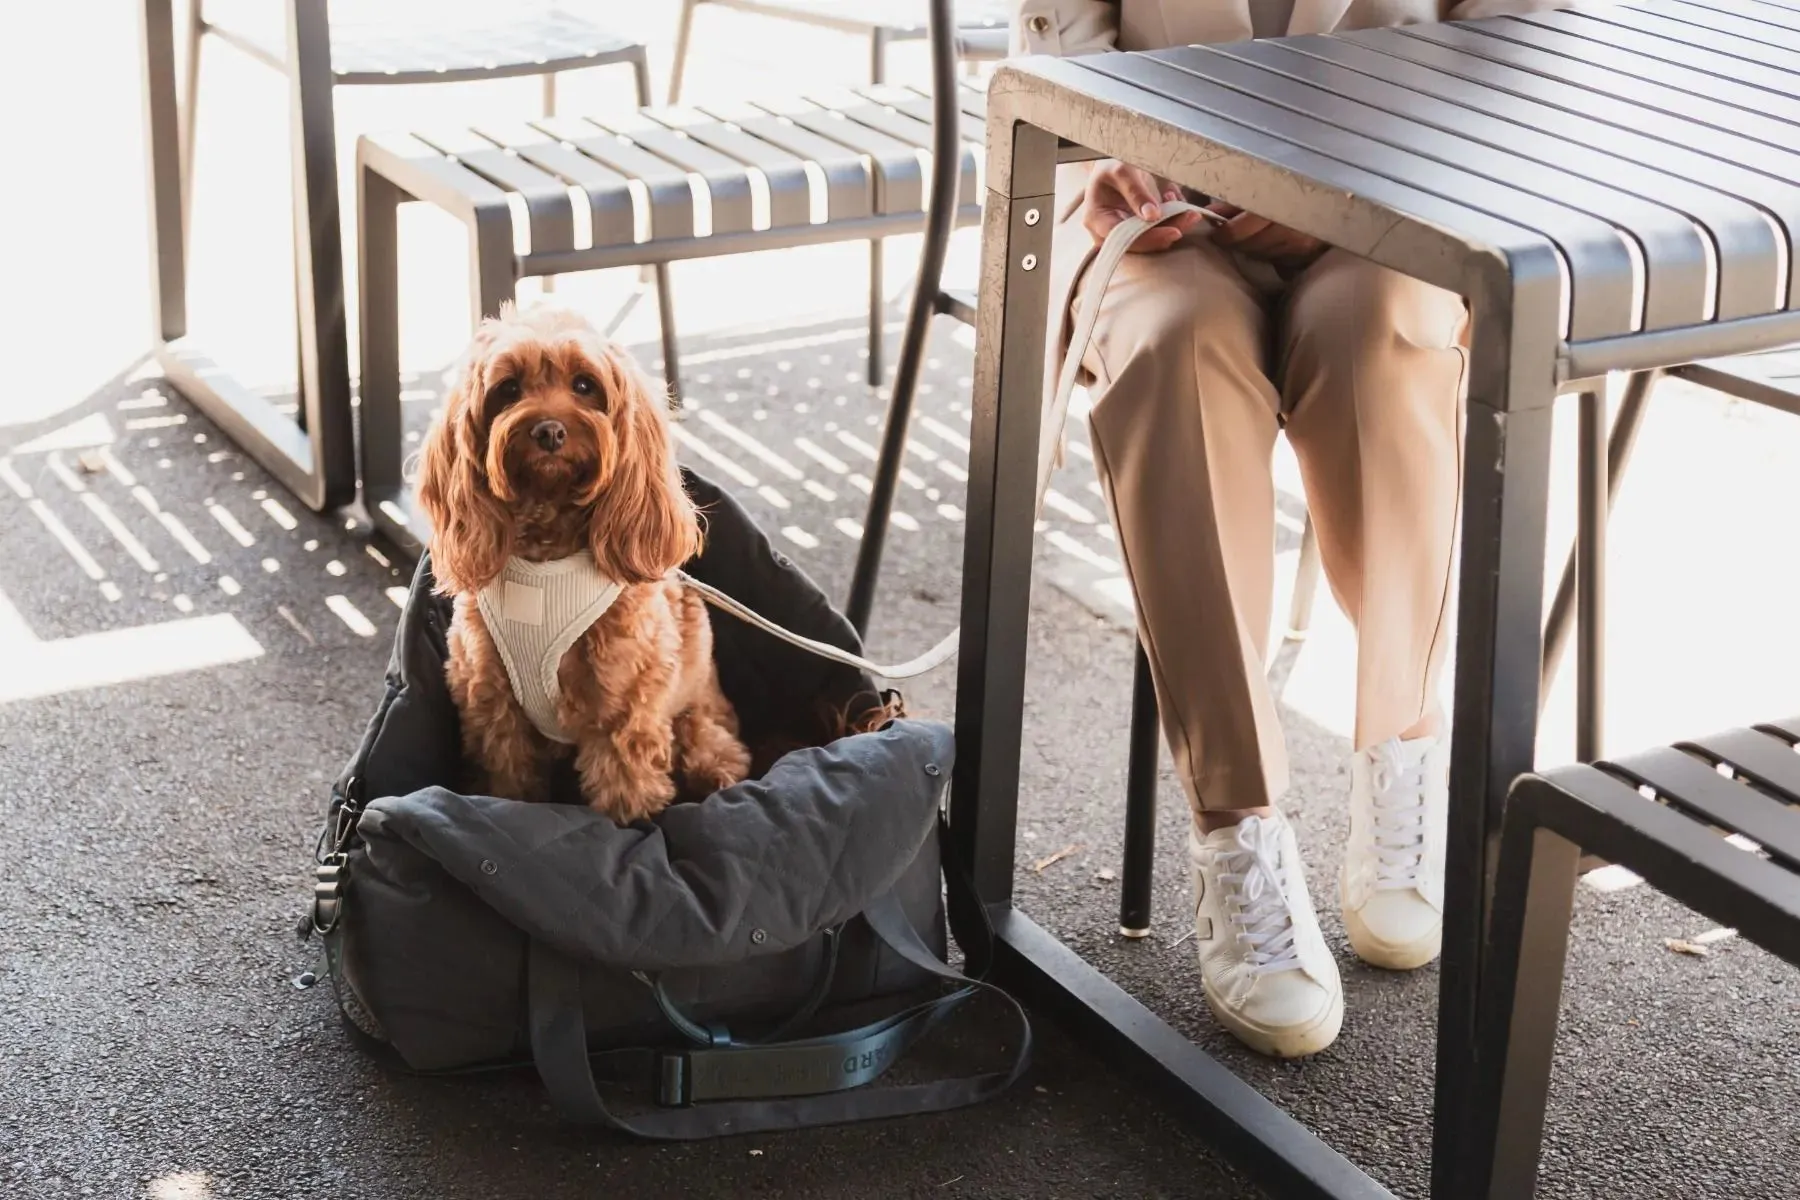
point(711, 1092)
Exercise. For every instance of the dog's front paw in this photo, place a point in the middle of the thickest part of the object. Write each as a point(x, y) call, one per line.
point(634, 798)
point(723, 767)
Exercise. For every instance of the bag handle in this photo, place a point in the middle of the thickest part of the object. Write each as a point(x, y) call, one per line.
point(751, 1089)
point(718, 1035)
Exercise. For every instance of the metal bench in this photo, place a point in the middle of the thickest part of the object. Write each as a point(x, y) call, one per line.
point(362, 43)
point(658, 186)
point(1614, 190)
point(1660, 814)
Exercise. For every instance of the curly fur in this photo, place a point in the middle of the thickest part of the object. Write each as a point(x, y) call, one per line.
point(638, 691)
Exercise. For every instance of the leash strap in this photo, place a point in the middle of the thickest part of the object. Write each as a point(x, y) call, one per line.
point(1100, 272)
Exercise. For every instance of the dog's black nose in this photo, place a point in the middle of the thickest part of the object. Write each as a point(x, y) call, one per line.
point(549, 435)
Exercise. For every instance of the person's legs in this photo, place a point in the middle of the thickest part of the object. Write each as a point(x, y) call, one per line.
point(1372, 378)
point(1184, 424)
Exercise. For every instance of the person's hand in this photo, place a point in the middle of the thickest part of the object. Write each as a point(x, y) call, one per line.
point(1116, 192)
point(1261, 238)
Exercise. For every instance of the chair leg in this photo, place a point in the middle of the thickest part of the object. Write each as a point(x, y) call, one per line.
point(1521, 993)
point(878, 48)
point(665, 309)
point(1306, 583)
point(1590, 584)
point(548, 282)
point(1138, 869)
point(190, 110)
point(684, 32)
point(877, 306)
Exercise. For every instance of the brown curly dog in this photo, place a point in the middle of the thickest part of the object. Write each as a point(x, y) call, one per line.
point(553, 493)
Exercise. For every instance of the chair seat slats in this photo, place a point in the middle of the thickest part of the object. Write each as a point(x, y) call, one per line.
point(789, 188)
point(552, 220)
point(1697, 789)
point(899, 178)
point(671, 197)
point(1766, 761)
point(726, 181)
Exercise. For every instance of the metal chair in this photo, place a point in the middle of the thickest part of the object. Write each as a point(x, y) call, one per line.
point(362, 43)
point(981, 37)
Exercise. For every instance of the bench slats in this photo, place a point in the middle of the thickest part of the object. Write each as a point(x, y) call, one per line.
point(790, 191)
point(608, 192)
point(849, 184)
point(899, 180)
point(671, 197)
point(878, 107)
point(1758, 757)
point(917, 105)
point(552, 218)
point(1695, 787)
point(727, 183)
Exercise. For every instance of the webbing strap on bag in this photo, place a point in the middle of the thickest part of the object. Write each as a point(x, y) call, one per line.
point(750, 1089)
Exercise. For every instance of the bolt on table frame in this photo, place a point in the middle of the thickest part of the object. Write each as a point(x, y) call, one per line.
point(1594, 221)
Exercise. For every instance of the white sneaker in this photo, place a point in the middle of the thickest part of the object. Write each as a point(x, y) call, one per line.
point(1392, 885)
point(1264, 967)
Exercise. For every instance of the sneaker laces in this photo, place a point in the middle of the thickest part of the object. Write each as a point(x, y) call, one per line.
point(1259, 908)
point(1397, 806)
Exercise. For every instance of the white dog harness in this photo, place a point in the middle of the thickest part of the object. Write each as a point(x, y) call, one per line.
point(535, 611)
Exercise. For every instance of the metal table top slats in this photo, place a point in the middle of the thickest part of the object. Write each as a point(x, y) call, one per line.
point(1753, 170)
point(727, 183)
point(1751, 20)
point(610, 202)
point(1763, 760)
point(1601, 300)
point(1710, 105)
point(1698, 789)
point(1528, 253)
point(551, 216)
point(849, 181)
point(1676, 255)
point(1787, 730)
point(671, 196)
point(1697, 71)
point(1661, 37)
point(784, 173)
point(899, 178)
point(1748, 251)
point(1487, 96)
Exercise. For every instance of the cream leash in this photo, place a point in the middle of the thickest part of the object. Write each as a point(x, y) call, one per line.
point(1112, 253)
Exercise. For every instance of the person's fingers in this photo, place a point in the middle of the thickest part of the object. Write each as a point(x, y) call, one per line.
point(1241, 228)
point(1136, 187)
point(1156, 239)
point(1099, 219)
point(1225, 210)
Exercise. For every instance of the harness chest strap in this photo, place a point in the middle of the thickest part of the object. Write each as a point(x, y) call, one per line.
point(535, 611)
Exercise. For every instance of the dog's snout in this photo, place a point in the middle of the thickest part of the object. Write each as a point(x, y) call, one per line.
point(549, 435)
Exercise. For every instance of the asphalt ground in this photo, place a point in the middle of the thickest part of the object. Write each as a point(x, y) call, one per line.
point(155, 833)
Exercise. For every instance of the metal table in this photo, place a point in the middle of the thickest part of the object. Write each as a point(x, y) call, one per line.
point(1615, 190)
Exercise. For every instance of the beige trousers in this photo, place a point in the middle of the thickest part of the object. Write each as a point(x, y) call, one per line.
point(1198, 360)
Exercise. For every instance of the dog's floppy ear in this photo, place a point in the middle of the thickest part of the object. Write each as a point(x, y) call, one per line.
point(644, 525)
point(471, 531)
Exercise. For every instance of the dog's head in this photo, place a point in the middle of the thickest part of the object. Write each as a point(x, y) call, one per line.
point(553, 441)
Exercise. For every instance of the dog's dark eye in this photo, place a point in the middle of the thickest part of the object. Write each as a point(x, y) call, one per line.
point(505, 392)
point(589, 387)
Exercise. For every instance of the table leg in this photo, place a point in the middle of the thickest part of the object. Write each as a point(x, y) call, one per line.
point(383, 450)
point(1498, 665)
point(1002, 494)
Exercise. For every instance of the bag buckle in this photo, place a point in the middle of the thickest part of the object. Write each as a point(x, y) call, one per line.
point(328, 893)
point(672, 1081)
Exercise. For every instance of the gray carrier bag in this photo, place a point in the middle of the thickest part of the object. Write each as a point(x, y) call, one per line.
point(743, 963)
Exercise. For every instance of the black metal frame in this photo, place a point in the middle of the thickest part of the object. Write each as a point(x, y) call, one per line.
point(1550, 821)
point(313, 456)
